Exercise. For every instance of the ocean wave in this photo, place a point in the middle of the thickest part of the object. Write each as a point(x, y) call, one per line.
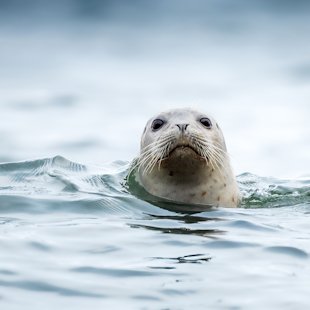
point(58, 183)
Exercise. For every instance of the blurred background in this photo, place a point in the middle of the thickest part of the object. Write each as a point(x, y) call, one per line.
point(80, 78)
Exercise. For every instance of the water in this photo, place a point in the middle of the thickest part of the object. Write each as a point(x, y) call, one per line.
point(80, 79)
point(74, 236)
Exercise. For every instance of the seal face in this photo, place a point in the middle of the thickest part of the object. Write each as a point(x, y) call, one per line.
point(183, 158)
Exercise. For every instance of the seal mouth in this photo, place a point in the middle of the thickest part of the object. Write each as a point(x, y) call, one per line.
point(184, 149)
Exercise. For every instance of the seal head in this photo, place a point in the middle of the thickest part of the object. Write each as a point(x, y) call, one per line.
point(183, 158)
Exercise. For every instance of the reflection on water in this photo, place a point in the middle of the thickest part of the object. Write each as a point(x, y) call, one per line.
point(187, 259)
point(181, 230)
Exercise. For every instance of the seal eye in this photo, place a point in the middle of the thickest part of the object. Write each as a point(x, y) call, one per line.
point(157, 124)
point(206, 122)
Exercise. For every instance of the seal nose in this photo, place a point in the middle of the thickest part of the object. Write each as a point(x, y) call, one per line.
point(182, 127)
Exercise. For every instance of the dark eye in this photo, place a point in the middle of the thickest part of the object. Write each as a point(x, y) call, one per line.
point(157, 123)
point(206, 122)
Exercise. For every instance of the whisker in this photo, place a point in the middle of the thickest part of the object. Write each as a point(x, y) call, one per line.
point(154, 153)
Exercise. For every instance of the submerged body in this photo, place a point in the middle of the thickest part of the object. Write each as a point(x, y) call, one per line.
point(183, 158)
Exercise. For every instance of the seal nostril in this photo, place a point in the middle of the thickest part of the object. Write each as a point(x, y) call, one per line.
point(182, 127)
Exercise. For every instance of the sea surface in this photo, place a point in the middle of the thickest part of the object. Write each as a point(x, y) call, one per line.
point(75, 236)
point(78, 81)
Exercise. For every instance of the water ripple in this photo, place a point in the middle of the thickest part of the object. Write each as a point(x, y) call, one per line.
point(117, 272)
point(59, 180)
point(39, 286)
point(271, 192)
point(288, 250)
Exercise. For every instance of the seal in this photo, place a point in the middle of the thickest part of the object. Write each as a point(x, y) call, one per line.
point(183, 158)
